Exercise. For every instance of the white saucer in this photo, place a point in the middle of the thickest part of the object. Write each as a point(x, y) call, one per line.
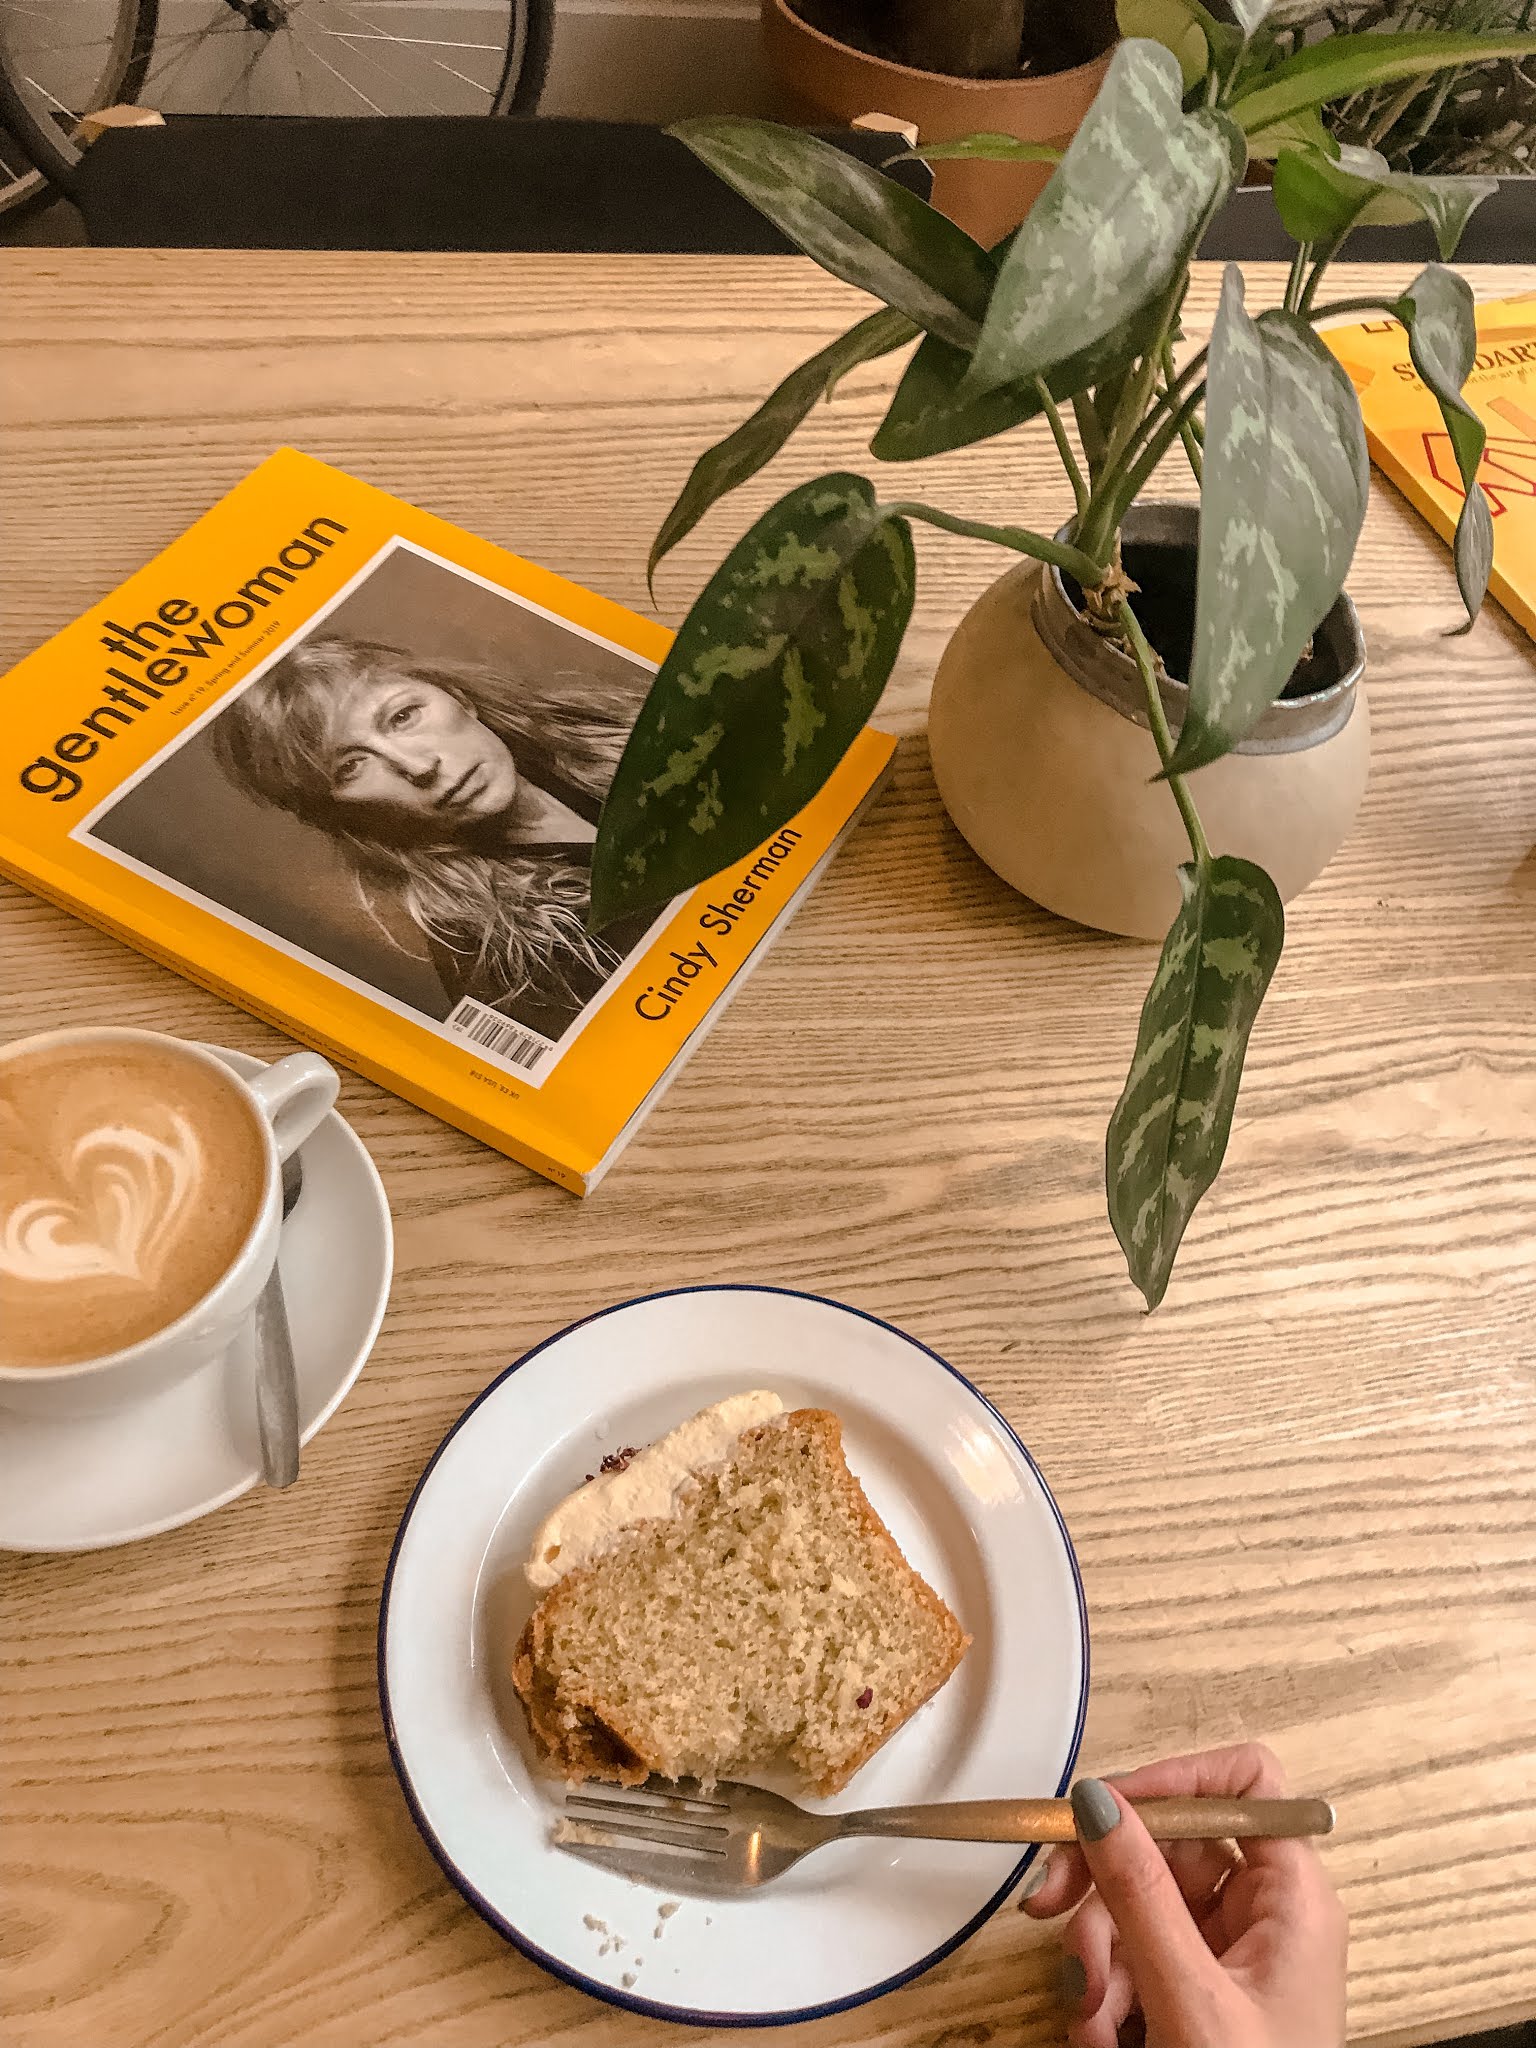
point(83, 1482)
point(964, 1500)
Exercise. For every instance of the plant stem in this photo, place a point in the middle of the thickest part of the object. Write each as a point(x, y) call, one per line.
point(1336, 306)
point(1186, 427)
point(1061, 554)
point(1063, 446)
point(1398, 105)
point(1166, 402)
point(1090, 433)
point(1146, 662)
point(1118, 493)
point(1095, 533)
point(1323, 254)
point(1293, 284)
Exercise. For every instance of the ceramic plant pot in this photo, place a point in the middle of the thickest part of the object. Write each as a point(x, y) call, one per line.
point(829, 81)
point(1043, 756)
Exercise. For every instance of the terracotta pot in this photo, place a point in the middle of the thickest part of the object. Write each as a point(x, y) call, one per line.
point(830, 81)
point(1042, 753)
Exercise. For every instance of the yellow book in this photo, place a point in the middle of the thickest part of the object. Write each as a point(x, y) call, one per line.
point(1410, 444)
point(342, 762)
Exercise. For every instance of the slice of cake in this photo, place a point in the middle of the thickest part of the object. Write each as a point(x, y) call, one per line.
point(726, 1598)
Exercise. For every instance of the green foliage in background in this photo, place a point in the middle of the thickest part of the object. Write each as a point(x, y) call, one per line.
point(1473, 117)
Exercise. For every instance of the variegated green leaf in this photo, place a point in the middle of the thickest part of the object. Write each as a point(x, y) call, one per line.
point(984, 148)
point(1319, 199)
point(934, 409)
point(1280, 511)
point(756, 441)
point(775, 670)
point(1441, 318)
point(1113, 226)
point(855, 222)
point(1169, 1129)
point(1344, 64)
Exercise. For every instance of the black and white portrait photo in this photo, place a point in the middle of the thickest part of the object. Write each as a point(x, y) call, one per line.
point(409, 793)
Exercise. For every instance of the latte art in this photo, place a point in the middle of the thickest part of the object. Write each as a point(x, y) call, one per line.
point(130, 1175)
point(132, 1190)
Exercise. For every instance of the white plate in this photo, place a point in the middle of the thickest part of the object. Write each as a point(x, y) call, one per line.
point(83, 1482)
point(964, 1500)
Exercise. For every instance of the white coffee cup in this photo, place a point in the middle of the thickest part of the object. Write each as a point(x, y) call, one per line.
point(289, 1098)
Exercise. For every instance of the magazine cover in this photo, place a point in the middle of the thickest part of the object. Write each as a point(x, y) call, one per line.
point(343, 763)
point(1409, 443)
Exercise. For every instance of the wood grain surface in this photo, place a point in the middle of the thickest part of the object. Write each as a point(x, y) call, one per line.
point(1301, 1493)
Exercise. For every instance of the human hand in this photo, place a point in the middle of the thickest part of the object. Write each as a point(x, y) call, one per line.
point(1213, 1946)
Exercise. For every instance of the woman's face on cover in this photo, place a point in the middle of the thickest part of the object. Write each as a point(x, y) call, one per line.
point(404, 746)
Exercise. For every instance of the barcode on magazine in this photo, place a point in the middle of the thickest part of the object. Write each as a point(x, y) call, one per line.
point(496, 1034)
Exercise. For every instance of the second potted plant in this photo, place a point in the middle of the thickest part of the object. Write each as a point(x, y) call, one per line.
point(1197, 664)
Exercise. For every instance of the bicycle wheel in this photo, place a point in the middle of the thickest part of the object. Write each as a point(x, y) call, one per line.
point(55, 65)
point(21, 183)
point(316, 57)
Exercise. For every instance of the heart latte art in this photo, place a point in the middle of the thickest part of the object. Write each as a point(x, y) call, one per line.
point(128, 1193)
point(130, 1175)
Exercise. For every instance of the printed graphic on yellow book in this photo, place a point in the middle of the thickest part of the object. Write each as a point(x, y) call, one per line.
point(344, 762)
point(1410, 444)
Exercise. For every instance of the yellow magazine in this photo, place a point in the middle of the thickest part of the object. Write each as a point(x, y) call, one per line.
point(1409, 442)
point(342, 762)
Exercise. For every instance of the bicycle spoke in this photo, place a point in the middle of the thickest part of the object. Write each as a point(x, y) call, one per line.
point(191, 41)
point(376, 35)
point(51, 97)
point(337, 75)
point(425, 43)
point(243, 82)
point(298, 70)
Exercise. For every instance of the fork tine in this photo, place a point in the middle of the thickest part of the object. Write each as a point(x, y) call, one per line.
point(671, 1791)
point(667, 1834)
point(669, 1813)
point(674, 1872)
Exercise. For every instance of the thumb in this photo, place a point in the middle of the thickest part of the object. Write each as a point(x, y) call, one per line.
point(1182, 1988)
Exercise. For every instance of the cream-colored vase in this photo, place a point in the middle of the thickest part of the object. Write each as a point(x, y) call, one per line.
point(1044, 758)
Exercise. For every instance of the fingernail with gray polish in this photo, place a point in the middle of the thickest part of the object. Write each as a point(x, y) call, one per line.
point(1094, 1809)
point(1035, 1879)
point(1072, 1981)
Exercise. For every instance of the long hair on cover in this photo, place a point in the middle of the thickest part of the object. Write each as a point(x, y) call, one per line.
point(514, 916)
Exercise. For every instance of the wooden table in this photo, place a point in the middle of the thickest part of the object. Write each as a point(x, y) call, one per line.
point(1301, 1493)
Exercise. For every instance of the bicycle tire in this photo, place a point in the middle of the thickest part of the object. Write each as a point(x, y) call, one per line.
point(527, 67)
point(27, 117)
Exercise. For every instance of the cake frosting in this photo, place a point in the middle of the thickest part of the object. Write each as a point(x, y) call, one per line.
point(596, 1515)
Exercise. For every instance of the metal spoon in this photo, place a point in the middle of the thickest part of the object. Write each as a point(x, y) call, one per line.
point(277, 1383)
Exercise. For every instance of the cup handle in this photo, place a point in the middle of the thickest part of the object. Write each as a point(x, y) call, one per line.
point(293, 1095)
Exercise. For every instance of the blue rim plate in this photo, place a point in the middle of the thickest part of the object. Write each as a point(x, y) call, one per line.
point(964, 1499)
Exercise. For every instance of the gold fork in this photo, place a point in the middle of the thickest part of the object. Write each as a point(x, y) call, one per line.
point(733, 1838)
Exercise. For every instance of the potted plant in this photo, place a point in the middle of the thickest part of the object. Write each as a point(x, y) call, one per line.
point(785, 652)
point(1026, 68)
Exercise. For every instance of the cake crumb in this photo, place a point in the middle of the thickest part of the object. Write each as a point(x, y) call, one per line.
point(667, 1908)
point(628, 1980)
point(597, 1926)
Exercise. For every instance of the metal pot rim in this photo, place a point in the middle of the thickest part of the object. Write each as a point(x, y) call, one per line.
point(1108, 673)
